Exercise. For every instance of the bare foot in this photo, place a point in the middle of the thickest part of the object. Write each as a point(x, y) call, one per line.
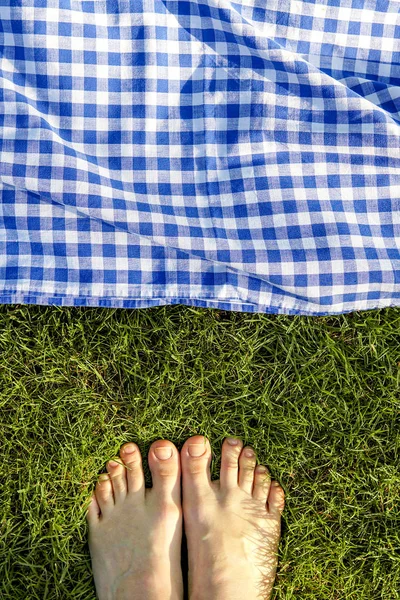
point(135, 533)
point(232, 525)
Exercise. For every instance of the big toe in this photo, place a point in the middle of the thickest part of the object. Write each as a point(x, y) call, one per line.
point(196, 461)
point(164, 465)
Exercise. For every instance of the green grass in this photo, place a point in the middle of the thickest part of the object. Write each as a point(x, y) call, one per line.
point(318, 398)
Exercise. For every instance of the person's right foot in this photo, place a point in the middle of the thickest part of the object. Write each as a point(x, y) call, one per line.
point(232, 525)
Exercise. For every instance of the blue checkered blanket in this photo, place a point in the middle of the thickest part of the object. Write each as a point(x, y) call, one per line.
point(241, 155)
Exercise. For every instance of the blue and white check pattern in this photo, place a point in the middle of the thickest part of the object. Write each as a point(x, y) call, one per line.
point(238, 155)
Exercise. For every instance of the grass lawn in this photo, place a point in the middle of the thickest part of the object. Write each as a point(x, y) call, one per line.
point(318, 398)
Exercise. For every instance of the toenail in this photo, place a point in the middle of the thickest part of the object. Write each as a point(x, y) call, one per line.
point(249, 453)
point(232, 441)
point(113, 463)
point(129, 449)
point(196, 450)
point(163, 452)
point(261, 469)
point(103, 477)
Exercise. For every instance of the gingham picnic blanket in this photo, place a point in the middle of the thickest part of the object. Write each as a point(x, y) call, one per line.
point(240, 155)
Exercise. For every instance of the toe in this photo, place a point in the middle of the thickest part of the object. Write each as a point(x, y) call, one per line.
point(164, 465)
point(196, 461)
point(230, 462)
point(247, 464)
point(132, 459)
point(93, 511)
point(276, 499)
point(262, 483)
point(104, 494)
point(116, 470)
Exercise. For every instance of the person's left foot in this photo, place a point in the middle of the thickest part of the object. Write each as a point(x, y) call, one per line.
point(135, 533)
